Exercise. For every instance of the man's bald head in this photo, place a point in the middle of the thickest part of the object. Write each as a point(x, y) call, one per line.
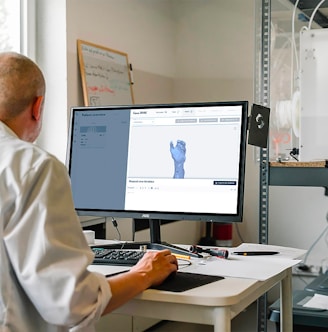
point(21, 82)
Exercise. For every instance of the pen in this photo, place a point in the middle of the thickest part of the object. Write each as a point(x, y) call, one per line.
point(181, 256)
point(255, 253)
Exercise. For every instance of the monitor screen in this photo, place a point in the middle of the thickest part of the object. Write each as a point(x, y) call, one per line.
point(167, 162)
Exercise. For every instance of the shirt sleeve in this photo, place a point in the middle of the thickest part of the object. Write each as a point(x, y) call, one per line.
point(48, 250)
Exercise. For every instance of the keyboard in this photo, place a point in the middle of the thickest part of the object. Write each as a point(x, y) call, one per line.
point(108, 256)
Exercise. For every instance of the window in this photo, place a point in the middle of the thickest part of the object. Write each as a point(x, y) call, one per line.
point(10, 36)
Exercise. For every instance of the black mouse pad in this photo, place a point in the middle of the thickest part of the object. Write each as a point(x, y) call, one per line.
point(183, 281)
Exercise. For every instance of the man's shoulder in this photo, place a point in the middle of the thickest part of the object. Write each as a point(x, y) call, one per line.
point(29, 154)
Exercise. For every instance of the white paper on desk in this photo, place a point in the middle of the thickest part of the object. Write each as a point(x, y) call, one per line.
point(284, 252)
point(250, 267)
point(318, 301)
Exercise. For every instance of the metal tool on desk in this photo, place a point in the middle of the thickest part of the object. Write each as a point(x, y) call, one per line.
point(221, 253)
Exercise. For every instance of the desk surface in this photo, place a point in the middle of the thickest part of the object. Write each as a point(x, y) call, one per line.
point(212, 304)
point(245, 280)
point(249, 267)
point(227, 291)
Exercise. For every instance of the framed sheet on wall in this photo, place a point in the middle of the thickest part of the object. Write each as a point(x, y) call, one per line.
point(105, 75)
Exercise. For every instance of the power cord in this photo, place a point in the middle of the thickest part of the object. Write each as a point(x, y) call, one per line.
point(314, 12)
point(183, 263)
point(133, 230)
point(294, 152)
point(314, 243)
point(238, 233)
point(114, 222)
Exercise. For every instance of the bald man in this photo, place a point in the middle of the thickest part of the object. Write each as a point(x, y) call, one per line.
point(44, 281)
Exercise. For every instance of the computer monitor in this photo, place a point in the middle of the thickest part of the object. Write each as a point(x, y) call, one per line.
point(181, 161)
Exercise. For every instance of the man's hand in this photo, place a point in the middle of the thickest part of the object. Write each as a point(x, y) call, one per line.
point(152, 269)
point(156, 266)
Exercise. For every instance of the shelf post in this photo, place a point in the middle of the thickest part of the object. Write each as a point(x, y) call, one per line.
point(262, 97)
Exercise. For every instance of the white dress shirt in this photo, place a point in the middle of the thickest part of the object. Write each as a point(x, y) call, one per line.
point(44, 281)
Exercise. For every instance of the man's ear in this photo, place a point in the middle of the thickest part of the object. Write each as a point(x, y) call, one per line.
point(37, 108)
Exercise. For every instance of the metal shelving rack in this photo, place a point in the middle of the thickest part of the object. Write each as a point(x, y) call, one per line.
point(276, 175)
point(262, 96)
point(304, 175)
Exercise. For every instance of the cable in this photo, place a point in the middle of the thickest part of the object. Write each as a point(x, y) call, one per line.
point(314, 12)
point(183, 263)
point(294, 54)
point(314, 243)
point(324, 261)
point(294, 49)
point(114, 222)
point(133, 229)
point(239, 234)
point(293, 153)
point(305, 282)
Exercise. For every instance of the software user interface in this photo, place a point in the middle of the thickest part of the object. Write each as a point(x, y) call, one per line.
point(168, 159)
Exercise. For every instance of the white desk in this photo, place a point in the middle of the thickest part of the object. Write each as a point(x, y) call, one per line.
point(213, 304)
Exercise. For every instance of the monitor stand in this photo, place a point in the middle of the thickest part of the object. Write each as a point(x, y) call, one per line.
point(155, 242)
point(208, 240)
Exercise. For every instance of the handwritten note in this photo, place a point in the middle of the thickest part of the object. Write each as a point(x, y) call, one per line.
point(105, 75)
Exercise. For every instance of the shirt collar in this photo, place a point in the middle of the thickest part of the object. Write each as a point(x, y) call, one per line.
point(5, 130)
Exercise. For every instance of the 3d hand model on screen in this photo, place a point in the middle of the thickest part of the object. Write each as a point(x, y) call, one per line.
point(178, 154)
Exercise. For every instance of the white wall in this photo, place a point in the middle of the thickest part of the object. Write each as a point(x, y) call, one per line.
point(181, 50)
point(297, 218)
point(51, 56)
point(143, 29)
point(215, 39)
point(186, 50)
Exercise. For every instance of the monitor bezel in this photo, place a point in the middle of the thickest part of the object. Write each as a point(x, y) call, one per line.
point(160, 215)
